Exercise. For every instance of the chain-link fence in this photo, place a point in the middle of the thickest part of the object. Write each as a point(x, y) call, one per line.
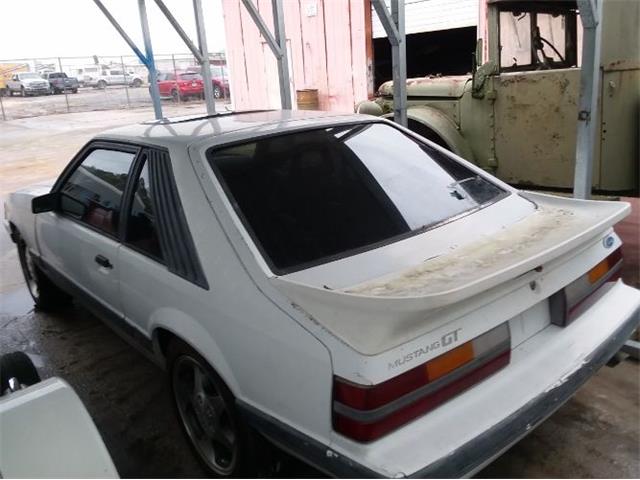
point(43, 86)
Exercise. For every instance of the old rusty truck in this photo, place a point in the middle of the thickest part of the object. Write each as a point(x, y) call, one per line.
point(516, 115)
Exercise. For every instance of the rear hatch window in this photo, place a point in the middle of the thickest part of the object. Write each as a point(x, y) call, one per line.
point(315, 196)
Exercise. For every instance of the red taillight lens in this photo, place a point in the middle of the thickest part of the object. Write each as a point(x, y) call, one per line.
point(365, 413)
point(565, 304)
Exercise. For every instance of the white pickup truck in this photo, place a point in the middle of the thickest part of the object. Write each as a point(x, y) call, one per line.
point(359, 296)
point(28, 83)
point(108, 77)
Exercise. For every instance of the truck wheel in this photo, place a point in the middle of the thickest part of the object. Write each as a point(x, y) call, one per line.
point(19, 366)
point(102, 84)
point(427, 133)
point(206, 408)
point(137, 83)
point(46, 295)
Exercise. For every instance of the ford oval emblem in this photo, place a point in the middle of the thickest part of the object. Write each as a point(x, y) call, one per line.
point(608, 242)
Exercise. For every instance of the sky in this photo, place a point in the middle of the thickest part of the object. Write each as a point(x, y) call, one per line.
point(48, 28)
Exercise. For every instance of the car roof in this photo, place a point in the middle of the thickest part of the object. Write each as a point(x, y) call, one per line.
point(224, 127)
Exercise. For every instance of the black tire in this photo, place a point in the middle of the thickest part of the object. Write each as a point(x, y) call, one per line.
point(175, 96)
point(249, 455)
point(9, 92)
point(75, 90)
point(137, 83)
point(19, 366)
point(426, 132)
point(23, 93)
point(102, 85)
point(45, 294)
point(217, 92)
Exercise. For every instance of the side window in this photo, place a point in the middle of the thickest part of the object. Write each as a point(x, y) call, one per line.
point(142, 226)
point(93, 192)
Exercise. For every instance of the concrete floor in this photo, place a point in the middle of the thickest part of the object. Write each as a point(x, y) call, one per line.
point(596, 434)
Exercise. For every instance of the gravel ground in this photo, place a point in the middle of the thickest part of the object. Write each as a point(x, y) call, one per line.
point(86, 100)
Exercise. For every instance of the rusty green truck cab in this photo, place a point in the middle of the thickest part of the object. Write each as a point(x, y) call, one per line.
point(516, 114)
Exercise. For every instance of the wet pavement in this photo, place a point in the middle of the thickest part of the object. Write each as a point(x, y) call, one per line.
point(596, 434)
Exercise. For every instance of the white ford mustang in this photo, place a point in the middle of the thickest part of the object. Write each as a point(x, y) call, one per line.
point(364, 299)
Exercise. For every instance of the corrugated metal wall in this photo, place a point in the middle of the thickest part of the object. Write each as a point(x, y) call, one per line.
point(431, 15)
point(326, 41)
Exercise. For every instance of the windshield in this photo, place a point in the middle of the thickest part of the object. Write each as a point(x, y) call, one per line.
point(30, 75)
point(219, 71)
point(312, 196)
point(190, 76)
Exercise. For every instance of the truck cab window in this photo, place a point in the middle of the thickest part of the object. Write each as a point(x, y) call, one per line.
point(538, 40)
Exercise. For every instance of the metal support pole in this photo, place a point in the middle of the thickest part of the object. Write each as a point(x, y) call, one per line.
point(181, 33)
point(4, 116)
point(591, 17)
point(204, 52)
point(278, 45)
point(64, 90)
point(126, 83)
point(393, 24)
point(151, 66)
point(146, 60)
point(283, 58)
point(399, 60)
point(121, 31)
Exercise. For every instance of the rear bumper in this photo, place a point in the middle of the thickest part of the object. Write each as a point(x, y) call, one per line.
point(481, 445)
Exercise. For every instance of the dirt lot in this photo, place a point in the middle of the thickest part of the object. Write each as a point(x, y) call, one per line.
point(596, 434)
point(87, 99)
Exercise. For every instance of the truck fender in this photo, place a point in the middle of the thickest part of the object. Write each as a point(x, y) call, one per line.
point(187, 329)
point(438, 128)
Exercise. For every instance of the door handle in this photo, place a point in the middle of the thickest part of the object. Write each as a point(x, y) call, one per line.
point(103, 261)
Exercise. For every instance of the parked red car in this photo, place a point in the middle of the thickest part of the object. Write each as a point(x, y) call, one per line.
point(180, 85)
point(219, 79)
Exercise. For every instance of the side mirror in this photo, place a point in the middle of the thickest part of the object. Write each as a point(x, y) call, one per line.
point(46, 203)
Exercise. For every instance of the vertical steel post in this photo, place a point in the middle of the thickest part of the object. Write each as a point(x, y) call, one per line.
point(394, 27)
point(283, 58)
point(126, 83)
point(399, 60)
point(4, 116)
point(588, 115)
point(206, 64)
point(151, 66)
point(64, 90)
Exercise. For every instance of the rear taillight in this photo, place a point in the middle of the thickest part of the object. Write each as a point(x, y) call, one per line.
point(565, 304)
point(365, 413)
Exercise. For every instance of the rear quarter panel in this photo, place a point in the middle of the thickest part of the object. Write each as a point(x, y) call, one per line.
point(267, 359)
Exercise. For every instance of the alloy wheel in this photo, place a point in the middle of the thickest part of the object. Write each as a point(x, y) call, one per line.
point(205, 415)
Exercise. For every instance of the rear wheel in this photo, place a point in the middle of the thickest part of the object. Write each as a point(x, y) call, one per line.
point(206, 409)
point(19, 366)
point(46, 296)
point(175, 96)
point(102, 84)
point(137, 83)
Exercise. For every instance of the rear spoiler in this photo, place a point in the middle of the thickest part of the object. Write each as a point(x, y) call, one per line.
point(558, 226)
